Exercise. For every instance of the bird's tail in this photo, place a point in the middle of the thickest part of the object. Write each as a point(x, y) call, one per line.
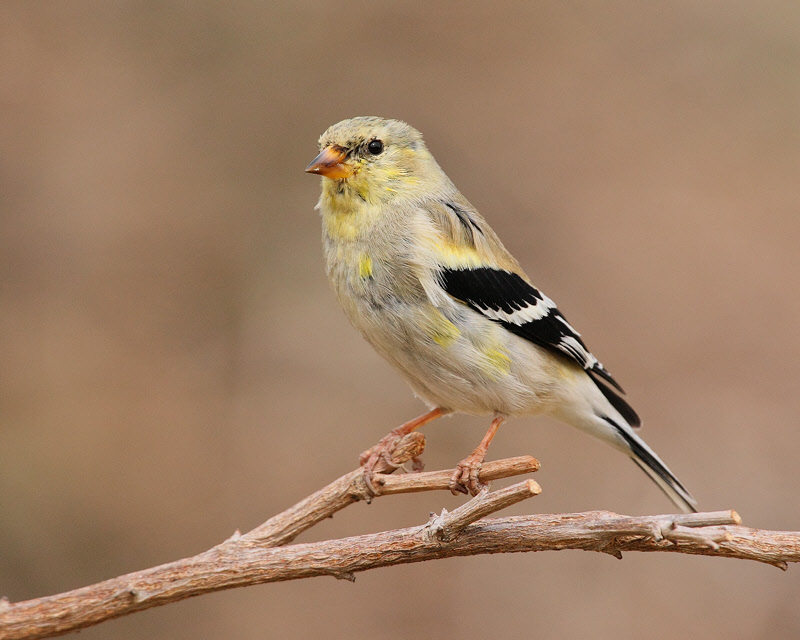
point(602, 420)
point(647, 460)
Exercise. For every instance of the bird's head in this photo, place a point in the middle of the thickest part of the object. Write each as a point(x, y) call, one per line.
point(374, 160)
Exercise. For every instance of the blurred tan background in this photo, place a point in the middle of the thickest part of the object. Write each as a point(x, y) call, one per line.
point(173, 365)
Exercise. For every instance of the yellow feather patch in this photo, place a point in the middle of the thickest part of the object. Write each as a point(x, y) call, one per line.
point(451, 255)
point(365, 266)
point(442, 331)
point(497, 363)
point(346, 215)
point(341, 228)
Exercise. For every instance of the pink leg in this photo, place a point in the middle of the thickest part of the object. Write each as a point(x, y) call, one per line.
point(465, 477)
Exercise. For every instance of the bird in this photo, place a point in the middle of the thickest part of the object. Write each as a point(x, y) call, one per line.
point(427, 282)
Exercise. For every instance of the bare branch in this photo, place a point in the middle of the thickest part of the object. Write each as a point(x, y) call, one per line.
point(254, 559)
point(73, 610)
point(350, 488)
point(447, 526)
point(429, 481)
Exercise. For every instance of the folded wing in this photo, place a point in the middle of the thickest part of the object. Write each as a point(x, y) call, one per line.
point(508, 299)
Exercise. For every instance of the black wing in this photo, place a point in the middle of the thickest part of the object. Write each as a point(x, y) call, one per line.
point(508, 299)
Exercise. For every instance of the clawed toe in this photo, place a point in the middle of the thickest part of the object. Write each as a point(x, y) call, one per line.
point(379, 458)
point(465, 477)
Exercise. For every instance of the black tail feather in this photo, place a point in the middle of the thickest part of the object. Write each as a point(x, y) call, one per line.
point(648, 462)
point(616, 401)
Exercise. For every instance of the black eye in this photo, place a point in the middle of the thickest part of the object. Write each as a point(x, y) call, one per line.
point(375, 147)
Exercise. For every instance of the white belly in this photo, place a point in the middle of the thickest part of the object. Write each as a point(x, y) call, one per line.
point(457, 359)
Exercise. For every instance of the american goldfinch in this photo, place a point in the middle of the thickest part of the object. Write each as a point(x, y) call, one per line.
point(426, 281)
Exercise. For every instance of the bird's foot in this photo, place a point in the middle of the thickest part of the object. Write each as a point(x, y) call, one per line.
point(380, 452)
point(398, 447)
point(465, 477)
point(392, 452)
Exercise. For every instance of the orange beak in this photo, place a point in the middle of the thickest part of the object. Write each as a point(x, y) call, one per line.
point(330, 163)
